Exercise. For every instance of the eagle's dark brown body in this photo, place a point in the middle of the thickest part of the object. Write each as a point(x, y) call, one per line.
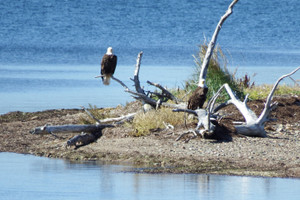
point(198, 98)
point(108, 66)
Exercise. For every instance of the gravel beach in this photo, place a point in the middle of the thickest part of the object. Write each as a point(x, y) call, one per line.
point(277, 155)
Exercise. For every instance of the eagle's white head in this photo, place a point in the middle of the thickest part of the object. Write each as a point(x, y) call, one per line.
point(109, 51)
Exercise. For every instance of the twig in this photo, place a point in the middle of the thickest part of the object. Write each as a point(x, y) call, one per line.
point(90, 114)
point(164, 91)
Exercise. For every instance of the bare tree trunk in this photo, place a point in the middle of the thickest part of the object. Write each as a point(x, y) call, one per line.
point(199, 96)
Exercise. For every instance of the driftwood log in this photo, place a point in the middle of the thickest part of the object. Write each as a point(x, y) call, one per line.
point(71, 128)
point(253, 125)
point(196, 100)
point(89, 133)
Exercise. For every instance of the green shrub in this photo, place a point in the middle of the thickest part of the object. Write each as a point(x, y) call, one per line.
point(217, 74)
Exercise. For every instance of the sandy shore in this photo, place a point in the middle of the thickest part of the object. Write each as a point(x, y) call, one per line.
point(278, 155)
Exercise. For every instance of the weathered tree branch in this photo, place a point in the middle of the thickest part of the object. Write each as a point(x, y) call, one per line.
point(263, 117)
point(136, 74)
point(71, 128)
point(198, 97)
point(119, 119)
point(165, 92)
point(89, 133)
point(140, 94)
point(211, 45)
point(253, 125)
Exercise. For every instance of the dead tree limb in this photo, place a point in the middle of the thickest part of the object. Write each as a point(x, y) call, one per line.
point(268, 106)
point(196, 100)
point(71, 128)
point(204, 125)
point(89, 133)
point(120, 119)
point(136, 74)
point(165, 92)
point(253, 125)
point(140, 94)
point(116, 120)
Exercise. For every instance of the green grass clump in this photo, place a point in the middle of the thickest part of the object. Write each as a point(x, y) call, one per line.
point(262, 91)
point(217, 74)
point(143, 123)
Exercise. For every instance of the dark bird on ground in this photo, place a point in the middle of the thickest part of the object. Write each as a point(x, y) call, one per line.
point(108, 66)
point(198, 98)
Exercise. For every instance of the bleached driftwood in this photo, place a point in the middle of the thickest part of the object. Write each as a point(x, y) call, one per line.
point(70, 128)
point(143, 96)
point(136, 74)
point(89, 133)
point(204, 125)
point(165, 92)
point(211, 45)
point(199, 96)
point(117, 120)
point(253, 125)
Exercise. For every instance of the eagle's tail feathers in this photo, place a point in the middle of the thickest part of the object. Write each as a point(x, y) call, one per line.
point(106, 80)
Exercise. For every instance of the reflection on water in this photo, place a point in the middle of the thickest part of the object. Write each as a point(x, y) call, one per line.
point(30, 177)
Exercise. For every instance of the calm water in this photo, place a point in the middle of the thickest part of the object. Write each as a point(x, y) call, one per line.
point(30, 177)
point(50, 50)
point(50, 53)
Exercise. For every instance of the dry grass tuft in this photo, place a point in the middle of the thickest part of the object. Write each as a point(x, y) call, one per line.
point(143, 123)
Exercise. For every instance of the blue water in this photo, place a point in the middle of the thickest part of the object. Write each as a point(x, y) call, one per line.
point(50, 50)
point(30, 177)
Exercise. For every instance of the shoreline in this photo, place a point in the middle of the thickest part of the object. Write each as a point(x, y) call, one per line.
point(274, 156)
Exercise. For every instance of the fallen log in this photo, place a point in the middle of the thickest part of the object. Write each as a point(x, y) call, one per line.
point(89, 133)
point(71, 128)
point(84, 139)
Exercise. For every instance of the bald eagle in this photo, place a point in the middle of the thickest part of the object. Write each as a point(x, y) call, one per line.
point(108, 65)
